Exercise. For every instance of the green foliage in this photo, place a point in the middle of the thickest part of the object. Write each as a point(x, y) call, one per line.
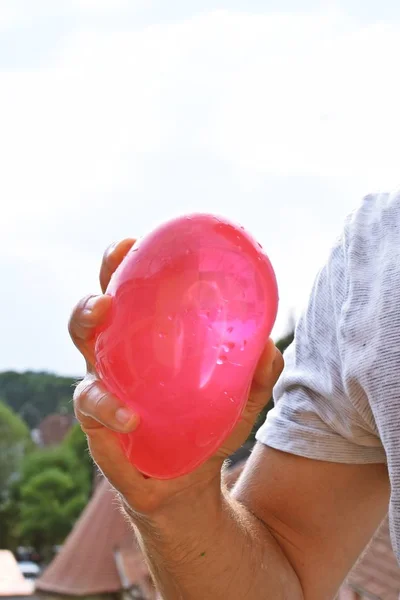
point(50, 504)
point(76, 443)
point(41, 493)
point(35, 395)
point(14, 442)
point(53, 457)
point(53, 489)
point(9, 515)
point(285, 342)
point(60, 458)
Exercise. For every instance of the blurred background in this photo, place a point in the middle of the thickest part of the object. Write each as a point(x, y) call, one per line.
point(118, 114)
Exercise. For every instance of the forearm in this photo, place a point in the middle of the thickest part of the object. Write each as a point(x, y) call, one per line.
point(211, 547)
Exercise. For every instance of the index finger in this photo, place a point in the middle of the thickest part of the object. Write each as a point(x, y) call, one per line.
point(87, 315)
point(112, 258)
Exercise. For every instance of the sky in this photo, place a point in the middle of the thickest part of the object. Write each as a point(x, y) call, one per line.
point(118, 114)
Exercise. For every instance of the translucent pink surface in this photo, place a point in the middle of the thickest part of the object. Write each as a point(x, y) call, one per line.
point(194, 304)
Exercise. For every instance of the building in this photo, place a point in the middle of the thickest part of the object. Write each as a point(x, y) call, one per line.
point(12, 582)
point(100, 558)
point(377, 574)
point(53, 429)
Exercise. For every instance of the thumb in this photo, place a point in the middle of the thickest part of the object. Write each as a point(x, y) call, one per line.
point(268, 370)
point(267, 373)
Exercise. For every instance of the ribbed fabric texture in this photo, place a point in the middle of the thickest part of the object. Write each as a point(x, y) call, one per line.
point(338, 399)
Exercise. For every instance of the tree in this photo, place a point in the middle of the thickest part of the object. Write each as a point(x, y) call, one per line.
point(285, 342)
point(76, 443)
point(60, 458)
point(15, 440)
point(50, 505)
point(53, 489)
point(36, 395)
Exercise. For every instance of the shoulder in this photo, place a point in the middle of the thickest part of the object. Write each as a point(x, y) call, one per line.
point(375, 220)
point(371, 248)
point(369, 325)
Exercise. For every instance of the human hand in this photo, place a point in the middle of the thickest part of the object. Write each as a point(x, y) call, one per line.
point(101, 414)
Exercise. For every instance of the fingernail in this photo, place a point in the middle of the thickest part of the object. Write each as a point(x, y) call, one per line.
point(124, 416)
point(112, 247)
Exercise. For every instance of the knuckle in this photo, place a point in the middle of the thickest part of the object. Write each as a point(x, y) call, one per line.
point(92, 400)
point(82, 392)
point(72, 321)
point(100, 404)
point(75, 316)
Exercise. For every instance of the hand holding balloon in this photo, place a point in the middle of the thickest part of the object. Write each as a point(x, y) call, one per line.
point(193, 305)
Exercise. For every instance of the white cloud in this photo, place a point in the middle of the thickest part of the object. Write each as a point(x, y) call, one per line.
point(14, 12)
point(103, 6)
point(218, 112)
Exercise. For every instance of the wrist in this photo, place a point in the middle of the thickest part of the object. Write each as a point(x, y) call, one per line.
point(200, 501)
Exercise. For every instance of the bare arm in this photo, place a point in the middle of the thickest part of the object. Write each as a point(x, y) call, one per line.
point(291, 529)
point(210, 546)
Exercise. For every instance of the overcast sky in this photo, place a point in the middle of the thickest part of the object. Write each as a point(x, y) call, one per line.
point(116, 114)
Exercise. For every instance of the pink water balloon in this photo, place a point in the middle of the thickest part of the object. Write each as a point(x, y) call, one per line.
point(194, 303)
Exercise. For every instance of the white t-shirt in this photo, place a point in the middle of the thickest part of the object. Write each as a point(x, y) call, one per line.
point(338, 399)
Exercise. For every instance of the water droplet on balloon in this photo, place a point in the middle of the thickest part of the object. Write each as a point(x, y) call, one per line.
point(222, 360)
point(228, 397)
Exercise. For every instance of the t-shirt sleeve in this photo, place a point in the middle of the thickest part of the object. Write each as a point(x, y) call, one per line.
point(319, 411)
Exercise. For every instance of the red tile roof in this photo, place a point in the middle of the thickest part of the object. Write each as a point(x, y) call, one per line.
point(377, 574)
point(86, 563)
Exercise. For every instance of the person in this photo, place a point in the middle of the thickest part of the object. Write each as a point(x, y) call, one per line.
point(326, 466)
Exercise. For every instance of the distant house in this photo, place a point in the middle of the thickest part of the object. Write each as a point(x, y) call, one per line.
point(12, 583)
point(53, 429)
